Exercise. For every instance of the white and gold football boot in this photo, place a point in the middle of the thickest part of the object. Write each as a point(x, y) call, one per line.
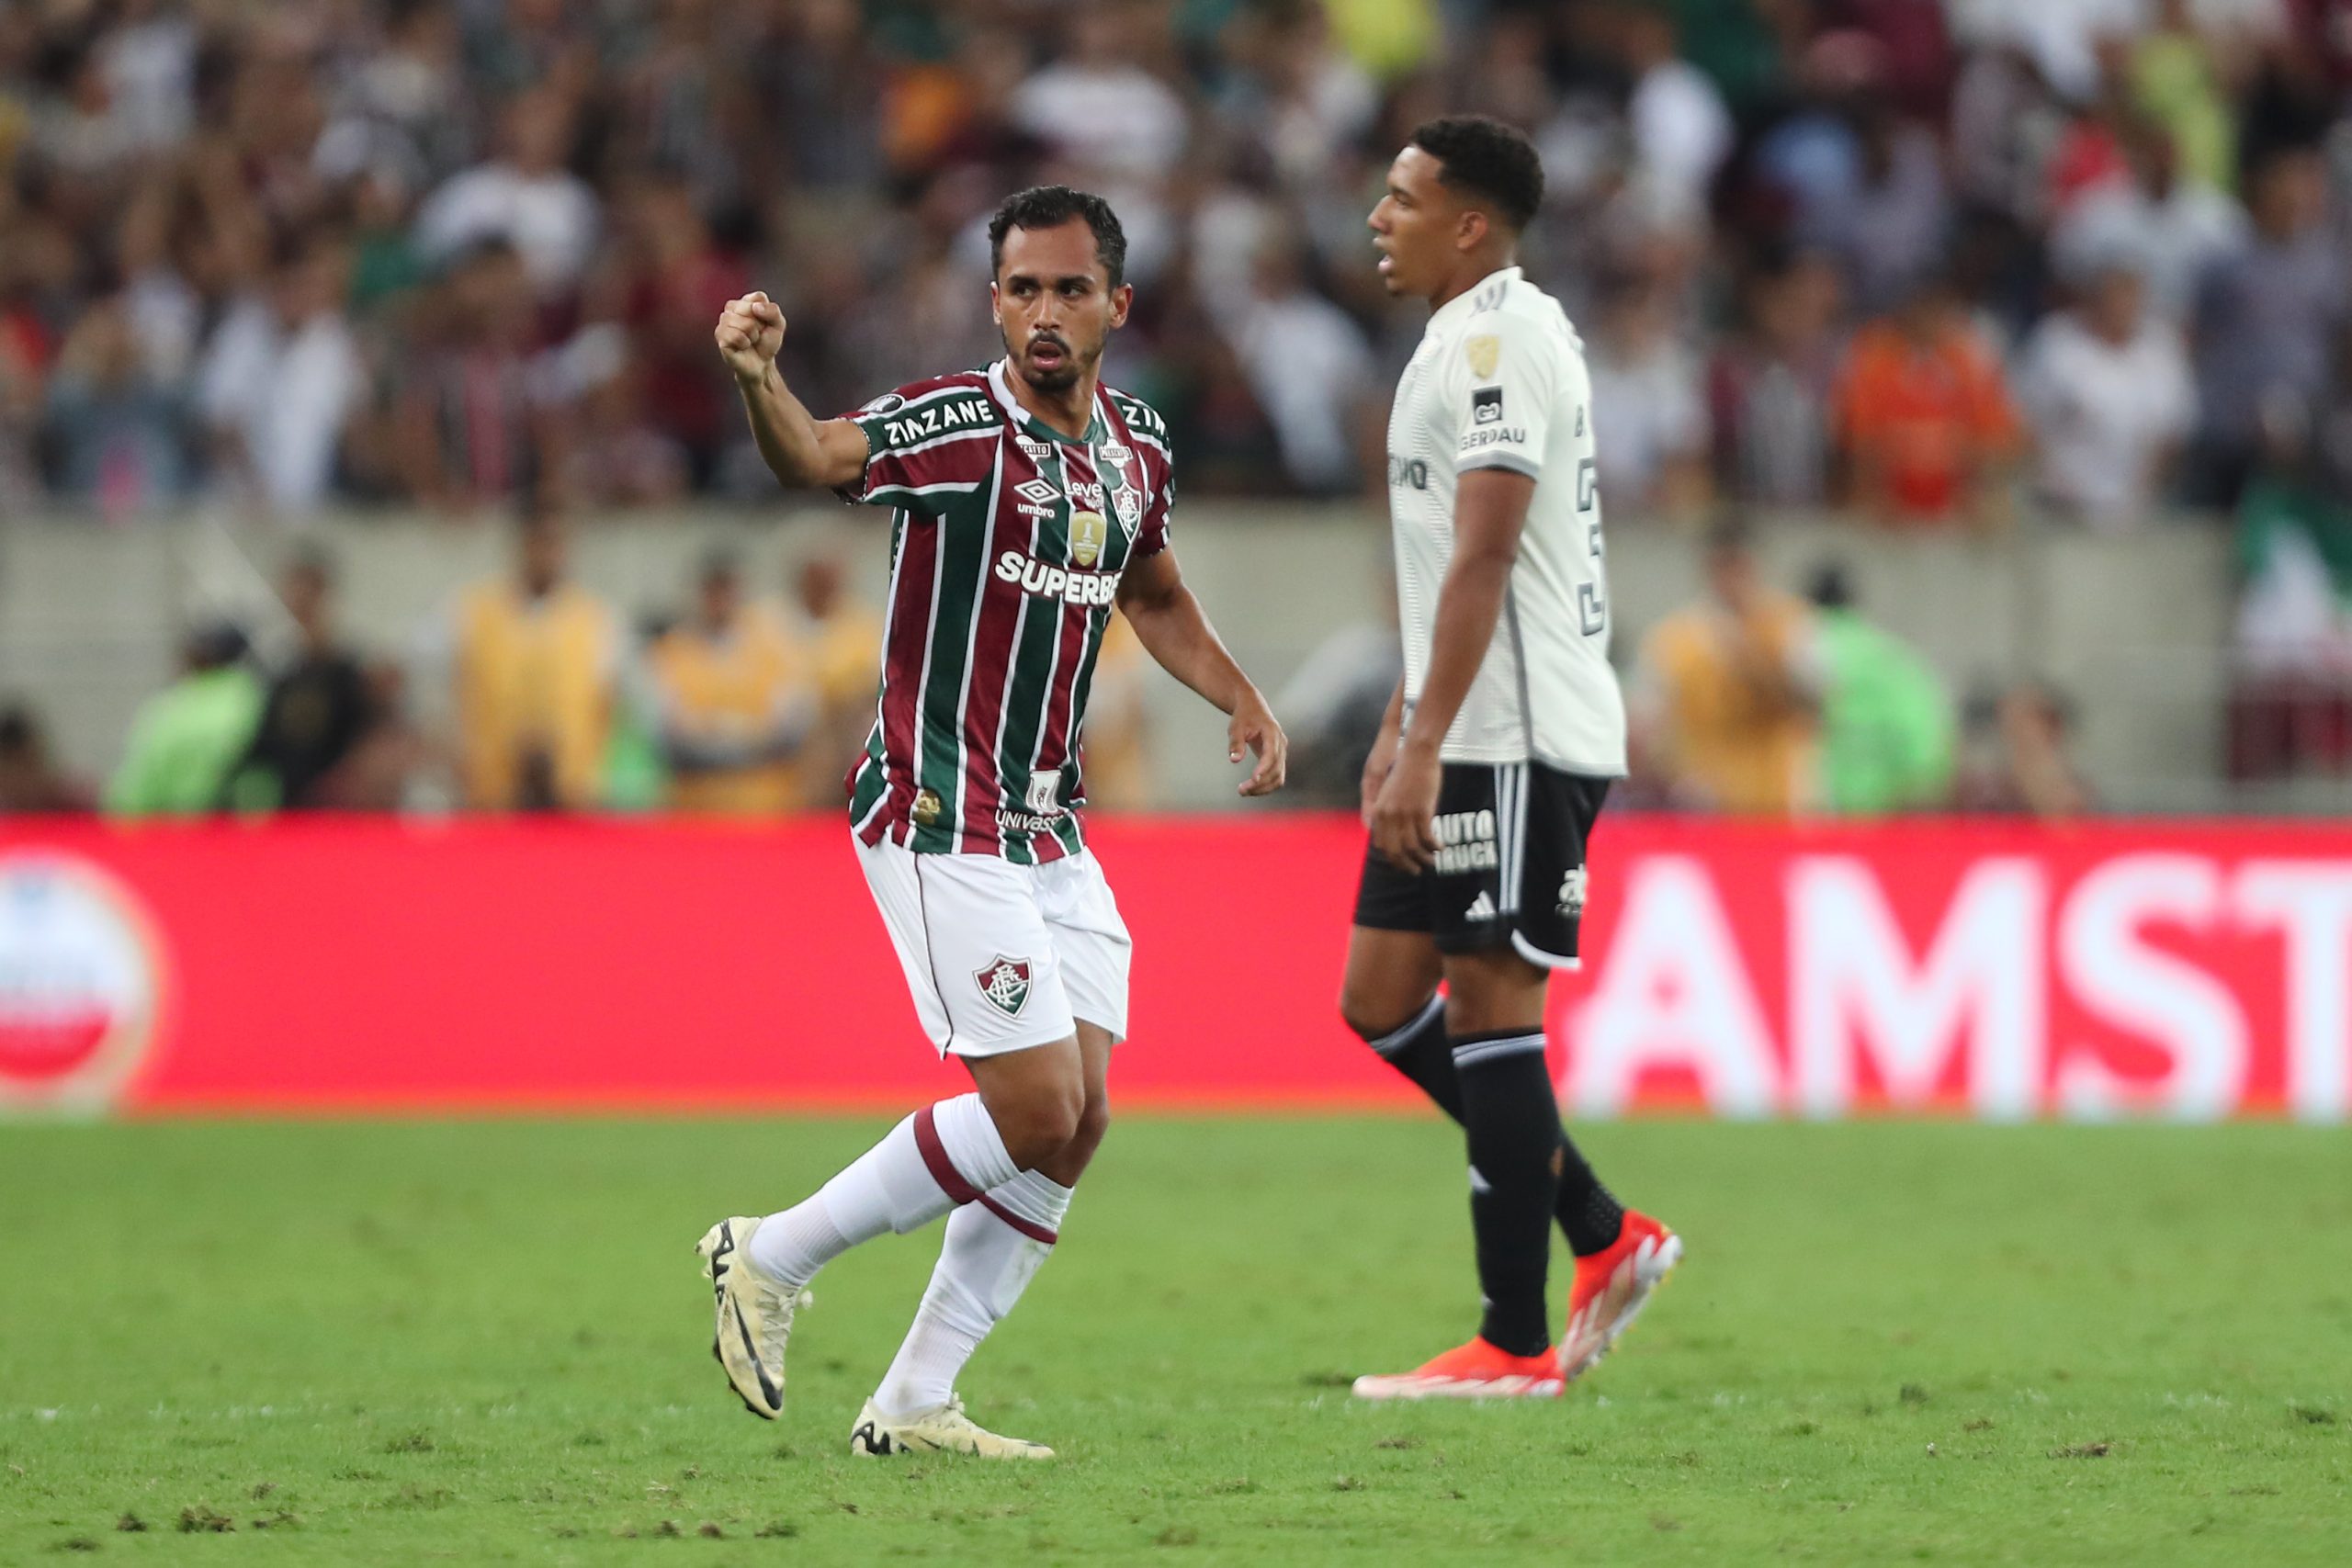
point(754, 1316)
point(942, 1429)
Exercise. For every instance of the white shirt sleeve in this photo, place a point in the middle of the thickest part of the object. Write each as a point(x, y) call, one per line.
point(1504, 373)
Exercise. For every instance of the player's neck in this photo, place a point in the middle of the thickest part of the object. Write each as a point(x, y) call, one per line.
point(1474, 271)
point(1068, 412)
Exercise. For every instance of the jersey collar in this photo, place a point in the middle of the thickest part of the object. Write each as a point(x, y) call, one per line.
point(1001, 389)
point(1455, 311)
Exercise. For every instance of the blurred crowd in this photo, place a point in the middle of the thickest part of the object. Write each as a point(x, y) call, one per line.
point(733, 701)
point(731, 698)
point(1751, 700)
point(1934, 263)
point(1920, 259)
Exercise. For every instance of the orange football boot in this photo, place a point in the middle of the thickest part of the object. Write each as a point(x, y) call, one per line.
point(1475, 1370)
point(1611, 1287)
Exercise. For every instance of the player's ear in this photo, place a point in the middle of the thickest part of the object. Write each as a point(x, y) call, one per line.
point(996, 303)
point(1122, 298)
point(1470, 229)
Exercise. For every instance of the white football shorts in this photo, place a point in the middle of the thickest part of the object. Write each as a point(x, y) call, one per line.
point(1000, 957)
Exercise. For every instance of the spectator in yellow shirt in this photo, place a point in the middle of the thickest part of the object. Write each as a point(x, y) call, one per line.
point(844, 642)
point(1727, 697)
point(734, 698)
point(536, 655)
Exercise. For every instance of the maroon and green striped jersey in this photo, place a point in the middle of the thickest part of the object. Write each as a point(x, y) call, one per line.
point(1007, 543)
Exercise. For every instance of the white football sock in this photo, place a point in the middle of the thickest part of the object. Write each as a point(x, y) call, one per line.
point(993, 1248)
point(944, 1155)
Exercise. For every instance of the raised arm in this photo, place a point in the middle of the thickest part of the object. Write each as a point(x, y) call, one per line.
point(804, 452)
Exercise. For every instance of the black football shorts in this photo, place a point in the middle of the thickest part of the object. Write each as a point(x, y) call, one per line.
point(1509, 869)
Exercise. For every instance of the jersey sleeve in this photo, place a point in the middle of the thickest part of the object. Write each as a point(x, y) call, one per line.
point(1152, 537)
point(925, 446)
point(1505, 374)
point(1150, 431)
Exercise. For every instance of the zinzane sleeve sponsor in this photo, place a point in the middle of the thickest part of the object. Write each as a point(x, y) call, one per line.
point(1505, 373)
point(925, 445)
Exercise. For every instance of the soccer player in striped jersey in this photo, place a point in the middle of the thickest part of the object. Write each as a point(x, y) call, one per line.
point(1028, 502)
point(1496, 752)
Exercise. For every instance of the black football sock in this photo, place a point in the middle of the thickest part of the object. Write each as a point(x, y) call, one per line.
point(1419, 1050)
point(1590, 1217)
point(1516, 1153)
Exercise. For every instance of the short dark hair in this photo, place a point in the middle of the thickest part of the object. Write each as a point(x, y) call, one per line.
point(1480, 154)
point(1050, 207)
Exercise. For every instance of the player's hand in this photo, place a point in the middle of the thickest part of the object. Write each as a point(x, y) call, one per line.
point(1404, 818)
point(1376, 769)
point(749, 332)
point(1253, 730)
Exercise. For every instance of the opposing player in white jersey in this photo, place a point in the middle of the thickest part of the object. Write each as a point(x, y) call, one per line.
point(1495, 757)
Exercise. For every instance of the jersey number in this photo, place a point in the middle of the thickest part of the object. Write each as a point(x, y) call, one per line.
point(1592, 606)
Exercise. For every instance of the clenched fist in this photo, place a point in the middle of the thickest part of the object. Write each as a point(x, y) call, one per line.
point(750, 331)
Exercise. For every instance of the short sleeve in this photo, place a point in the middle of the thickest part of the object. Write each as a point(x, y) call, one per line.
point(925, 444)
point(1152, 537)
point(1156, 466)
point(1505, 374)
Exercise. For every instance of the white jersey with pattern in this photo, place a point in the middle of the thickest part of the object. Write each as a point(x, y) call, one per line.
point(1499, 382)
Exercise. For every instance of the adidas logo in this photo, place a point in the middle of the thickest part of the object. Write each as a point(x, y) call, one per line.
point(1481, 909)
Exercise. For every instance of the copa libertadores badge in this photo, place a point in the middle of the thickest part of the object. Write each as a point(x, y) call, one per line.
point(1005, 981)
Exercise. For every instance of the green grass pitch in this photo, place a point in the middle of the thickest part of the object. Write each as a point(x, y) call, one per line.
point(486, 1342)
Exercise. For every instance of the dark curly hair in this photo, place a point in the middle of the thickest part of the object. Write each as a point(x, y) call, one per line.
point(1050, 207)
point(1488, 158)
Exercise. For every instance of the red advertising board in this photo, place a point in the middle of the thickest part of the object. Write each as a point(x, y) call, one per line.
point(2184, 970)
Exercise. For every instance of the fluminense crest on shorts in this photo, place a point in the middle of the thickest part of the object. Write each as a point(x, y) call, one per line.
point(1005, 981)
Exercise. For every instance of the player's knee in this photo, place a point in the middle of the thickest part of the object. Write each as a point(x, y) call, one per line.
point(1372, 1018)
point(1041, 1123)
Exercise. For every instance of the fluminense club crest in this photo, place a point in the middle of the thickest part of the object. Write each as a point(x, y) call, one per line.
point(1005, 981)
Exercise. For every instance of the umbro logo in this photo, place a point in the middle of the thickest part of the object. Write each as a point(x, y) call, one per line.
point(1481, 907)
point(1040, 491)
